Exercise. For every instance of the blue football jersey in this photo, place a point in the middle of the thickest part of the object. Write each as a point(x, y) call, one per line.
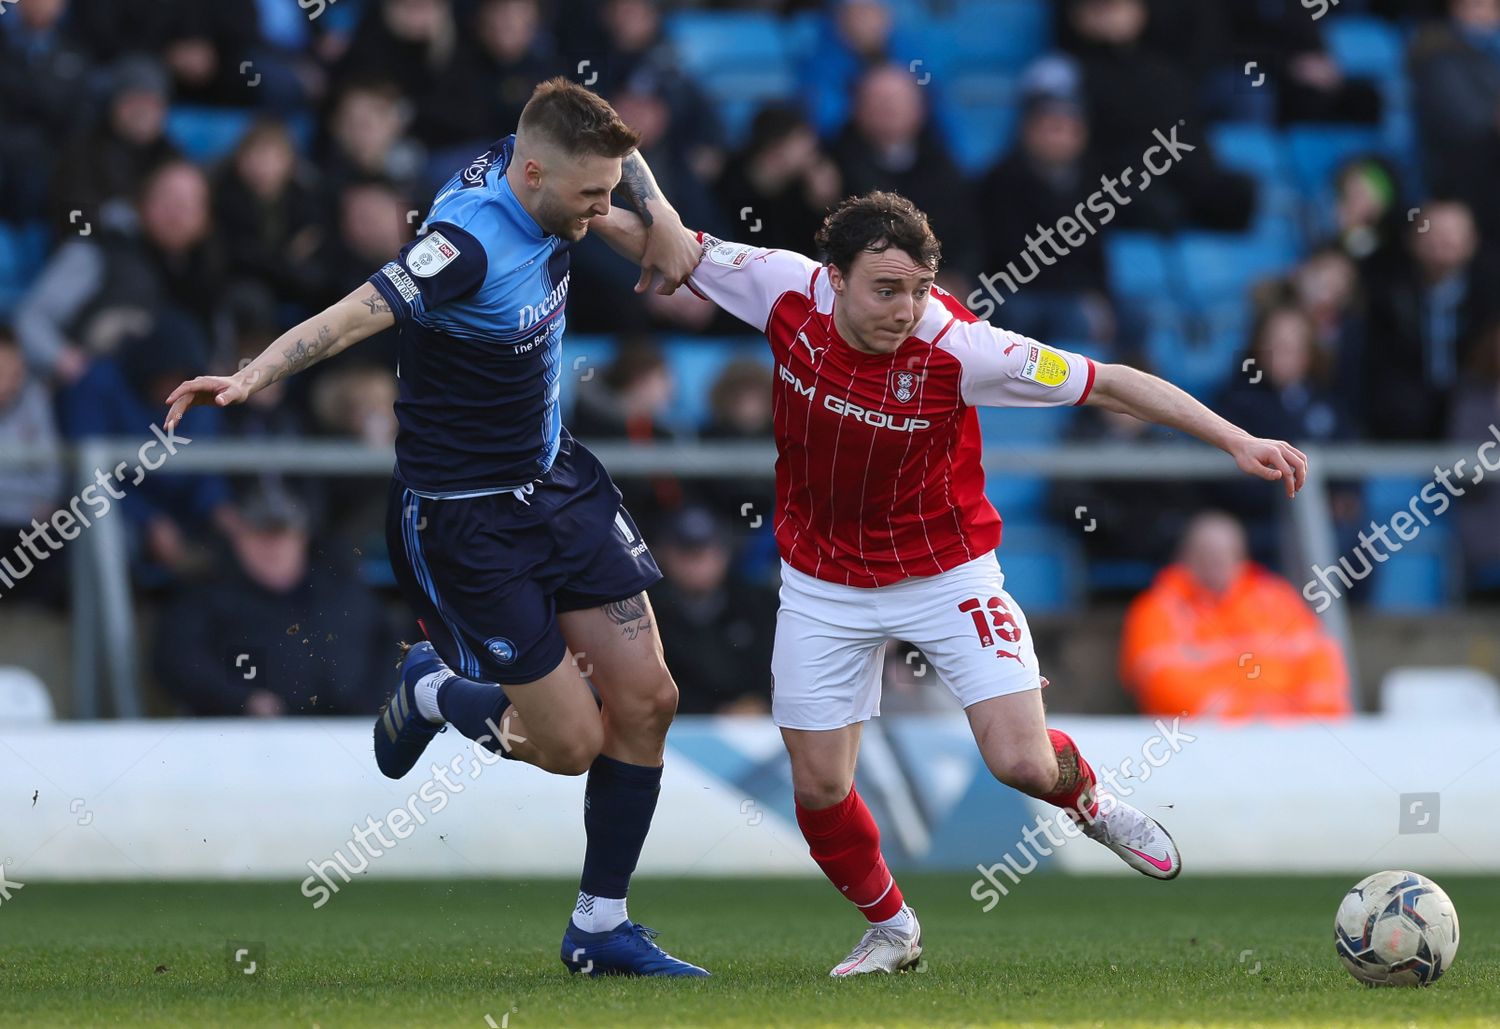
point(479, 300)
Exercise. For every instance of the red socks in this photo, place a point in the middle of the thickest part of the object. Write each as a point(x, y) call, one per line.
point(845, 843)
point(1075, 779)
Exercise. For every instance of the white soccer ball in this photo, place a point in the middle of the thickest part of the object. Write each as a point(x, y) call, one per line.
point(1396, 929)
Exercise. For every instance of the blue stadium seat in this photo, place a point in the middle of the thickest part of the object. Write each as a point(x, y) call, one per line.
point(23, 254)
point(1199, 367)
point(1254, 149)
point(979, 132)
point(1423, 575)
point(696, 362)
point(1043, 568)
point(1025, 426)
point(1138, 263)
point(1316, 152)
point(1218, 266)
point(1366, 47)
point(1000, 33)
point(1020, 499)
point(739, 57)
point(207, 133)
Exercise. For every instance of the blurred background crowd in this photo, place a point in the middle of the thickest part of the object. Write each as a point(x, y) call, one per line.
point(181, 180)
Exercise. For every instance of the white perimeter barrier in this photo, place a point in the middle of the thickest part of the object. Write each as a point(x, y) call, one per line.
point(242, 799)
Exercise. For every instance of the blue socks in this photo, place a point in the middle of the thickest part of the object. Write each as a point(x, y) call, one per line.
point(618, 804)
point(472, 707)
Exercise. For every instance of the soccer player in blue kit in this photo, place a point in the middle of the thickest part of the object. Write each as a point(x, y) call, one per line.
point(506, 535)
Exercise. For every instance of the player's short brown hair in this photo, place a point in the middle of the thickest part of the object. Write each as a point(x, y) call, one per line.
point(873, 224)
point(576, 120)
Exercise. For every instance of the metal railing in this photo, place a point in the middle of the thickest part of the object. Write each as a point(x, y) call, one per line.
point(103, 613)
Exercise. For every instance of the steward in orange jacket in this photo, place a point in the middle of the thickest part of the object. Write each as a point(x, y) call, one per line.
point(1218, 636)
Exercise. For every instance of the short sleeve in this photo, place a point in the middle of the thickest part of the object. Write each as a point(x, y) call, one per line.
point(747, 280)
point(444, 264)
point(1006, 369)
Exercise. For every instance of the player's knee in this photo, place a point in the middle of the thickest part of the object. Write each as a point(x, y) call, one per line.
point(1031, 775)
point(649, 709)
point(816, 792)
point(574, 757)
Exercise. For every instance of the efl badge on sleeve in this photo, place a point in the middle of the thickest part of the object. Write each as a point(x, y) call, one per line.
point(431, 255)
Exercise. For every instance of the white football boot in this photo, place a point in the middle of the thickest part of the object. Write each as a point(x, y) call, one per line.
point(1135, 836)
point(883, 949)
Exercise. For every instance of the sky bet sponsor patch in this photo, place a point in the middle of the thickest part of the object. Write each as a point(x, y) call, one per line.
point(1045, 367)
point(431, 255)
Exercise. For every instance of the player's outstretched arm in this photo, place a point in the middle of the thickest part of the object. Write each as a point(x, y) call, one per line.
point(670, 250)
point(627, 235)
point(1129, 391)
point(358, 316)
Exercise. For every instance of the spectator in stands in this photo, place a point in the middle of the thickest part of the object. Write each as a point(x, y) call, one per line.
point(717, 631)
point(1325, 285)
point(1286, 387)
point(1130, 94)
point(1305, 80)
point(890, 144)
point(123, 396)
point(1476, 414)
point(1217, 636)
point(44, 80)
point(366, 138)
point(635, 44)
point(1421, 322)
point(374, 222)
point(266, 207)
point(109, 163)
point(1135, 523)
point(413, 43)
point(1369, 221)
point(93, 291)
point(739, 405)
point(276, 632)
point(629, 401)
point(1041, 181)
point(1455, 76)
point(777, 189)
point(26, 423)
point(479, 98)
point(854, 36)
point(201, 44)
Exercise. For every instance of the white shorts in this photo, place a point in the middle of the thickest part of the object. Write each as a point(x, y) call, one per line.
point(831, 639)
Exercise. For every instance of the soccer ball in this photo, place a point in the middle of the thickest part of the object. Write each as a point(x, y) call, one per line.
point(1396, 929)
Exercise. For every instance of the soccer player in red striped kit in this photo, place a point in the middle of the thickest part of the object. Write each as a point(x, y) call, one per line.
point(885, 531)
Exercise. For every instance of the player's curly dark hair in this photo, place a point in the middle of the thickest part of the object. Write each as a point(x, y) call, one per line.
point(576, 120)
point(873, 224)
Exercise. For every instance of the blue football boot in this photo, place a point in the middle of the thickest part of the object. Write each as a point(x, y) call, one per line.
point(401, 731)
point(627, 949)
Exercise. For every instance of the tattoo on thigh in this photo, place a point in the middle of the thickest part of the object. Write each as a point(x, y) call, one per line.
point(629, 615)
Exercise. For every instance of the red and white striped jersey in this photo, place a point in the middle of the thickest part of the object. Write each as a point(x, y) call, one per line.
point(878, 474)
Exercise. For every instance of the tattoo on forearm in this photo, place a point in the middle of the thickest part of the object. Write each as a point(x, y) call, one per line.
point(303, 352)
point(639, 184)
point(1069, 775)
point(377, 304)
point(629, 615)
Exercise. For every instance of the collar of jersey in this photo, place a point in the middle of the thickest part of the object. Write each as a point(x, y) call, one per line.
point(519, 214)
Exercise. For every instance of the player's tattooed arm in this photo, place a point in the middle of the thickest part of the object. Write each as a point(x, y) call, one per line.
point(358, 316)
point(671, 250)
point(629, 615)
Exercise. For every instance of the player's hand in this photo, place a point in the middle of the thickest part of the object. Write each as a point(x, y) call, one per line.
point(1272, 460)
point(221, 390)
point(671, 252)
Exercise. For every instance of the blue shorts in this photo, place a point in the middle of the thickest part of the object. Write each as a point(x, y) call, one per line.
point(487, 576)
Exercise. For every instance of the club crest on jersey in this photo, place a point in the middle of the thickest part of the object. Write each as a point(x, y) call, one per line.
point(904, 385)
point(431, 255)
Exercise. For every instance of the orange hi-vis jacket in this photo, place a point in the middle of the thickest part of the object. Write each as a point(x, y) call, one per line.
point(1256, 651)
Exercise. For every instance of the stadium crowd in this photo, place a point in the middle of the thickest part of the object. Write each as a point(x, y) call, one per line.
point(179, 181)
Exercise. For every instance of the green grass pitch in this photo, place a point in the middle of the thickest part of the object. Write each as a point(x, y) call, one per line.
point(1058, 951)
